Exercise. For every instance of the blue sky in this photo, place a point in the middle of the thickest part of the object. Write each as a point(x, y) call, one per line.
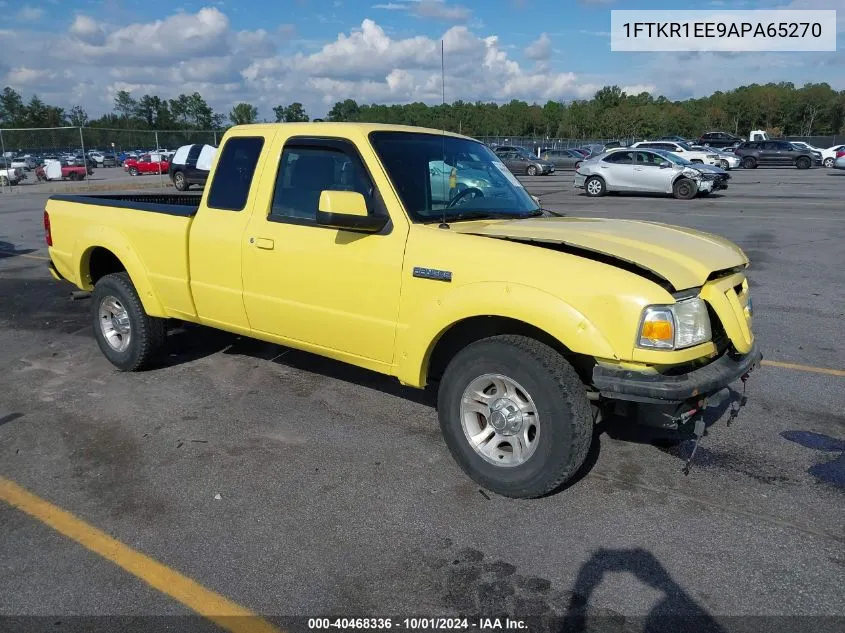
point(317, 52)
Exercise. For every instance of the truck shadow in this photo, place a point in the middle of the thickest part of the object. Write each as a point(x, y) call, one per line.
point(192, 342)
point(7, 249)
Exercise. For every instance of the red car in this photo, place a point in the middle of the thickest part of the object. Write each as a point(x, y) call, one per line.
point(145, 165)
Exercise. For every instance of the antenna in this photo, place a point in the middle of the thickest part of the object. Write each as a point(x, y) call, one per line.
point(443, 224)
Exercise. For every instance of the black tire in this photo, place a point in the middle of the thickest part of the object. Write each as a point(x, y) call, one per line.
point(828, 162)
point(803, 163)
point(561, 403)
point(684, 189)
point(74, 176)
point(596, 190)
point(724, 165)
point(133, 171)
point(180, 182)
point(147, 334)
point(4, 181)
point(749, 162)
point(531, 171)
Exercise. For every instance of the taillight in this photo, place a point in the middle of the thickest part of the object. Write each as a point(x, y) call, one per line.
point(47, 234)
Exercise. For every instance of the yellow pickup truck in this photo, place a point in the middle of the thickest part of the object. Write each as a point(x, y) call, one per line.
point(417, 254)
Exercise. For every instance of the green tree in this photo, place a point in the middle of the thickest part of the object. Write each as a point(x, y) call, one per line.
point(347, 110)
point(12, 109)
point(124, 105)
point(293, 113)
point(243, 113)
point(78, 117)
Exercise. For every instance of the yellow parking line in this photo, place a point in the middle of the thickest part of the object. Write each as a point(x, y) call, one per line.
point(207, 603)
point(810, 368)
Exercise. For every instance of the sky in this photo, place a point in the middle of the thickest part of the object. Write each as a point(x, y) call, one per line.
point(317, 52)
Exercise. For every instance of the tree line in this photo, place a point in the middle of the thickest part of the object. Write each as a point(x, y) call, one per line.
point(781, 108)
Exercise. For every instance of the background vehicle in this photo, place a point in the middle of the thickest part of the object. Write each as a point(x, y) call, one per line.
point(146, 164)
point(648, 171)
point(683, 150)
point(335, 246)
point(775, 153)
point(562, 158)
point(829, 155)
point(521, 161)
point(727, 160)
point(719, 139)
point(676, 139)
point(839, 161)
point(190, 165)
point(25, 163)
point(56, 170)
point(10, 175)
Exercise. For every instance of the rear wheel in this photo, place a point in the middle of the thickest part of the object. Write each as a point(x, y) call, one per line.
point(4, 181)
point(515, 416)
point(803, 163)
point(684, 189)
point(179, 181)
point(828, 162)
point(126, 334)
point(74, 176)
point(724, 165)
point(532, 170)
point(749, 163)
point(595, 187)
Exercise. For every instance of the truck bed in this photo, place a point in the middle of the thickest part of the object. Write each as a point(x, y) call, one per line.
point(184, 205)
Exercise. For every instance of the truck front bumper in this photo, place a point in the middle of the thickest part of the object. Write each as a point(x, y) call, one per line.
point(624, 384)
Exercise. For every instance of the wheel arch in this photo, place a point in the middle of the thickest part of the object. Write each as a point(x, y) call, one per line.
point(110, 254)
point(426, 345)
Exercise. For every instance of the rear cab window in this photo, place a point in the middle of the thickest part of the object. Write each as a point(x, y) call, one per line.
point(234, 173)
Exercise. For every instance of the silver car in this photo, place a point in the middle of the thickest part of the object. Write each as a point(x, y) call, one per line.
point(726, 160)
point(648, 171)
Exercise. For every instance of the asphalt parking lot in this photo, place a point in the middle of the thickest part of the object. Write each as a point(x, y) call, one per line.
point(296, 486)
point(103, 178)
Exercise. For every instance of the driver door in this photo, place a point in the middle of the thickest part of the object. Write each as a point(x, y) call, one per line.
point(332, 289)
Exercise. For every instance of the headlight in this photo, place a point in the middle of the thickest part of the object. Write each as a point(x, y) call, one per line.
point(677, 326)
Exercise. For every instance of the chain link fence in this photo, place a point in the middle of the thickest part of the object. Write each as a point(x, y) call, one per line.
point(34, 145)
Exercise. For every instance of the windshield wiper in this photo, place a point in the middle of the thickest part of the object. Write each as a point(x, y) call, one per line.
point(486, 215)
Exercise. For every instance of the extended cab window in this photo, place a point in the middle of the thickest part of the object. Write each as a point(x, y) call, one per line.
point(235, 169)
point(305, 172)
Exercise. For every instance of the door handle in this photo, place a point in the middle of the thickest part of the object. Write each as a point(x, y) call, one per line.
point(264, 242)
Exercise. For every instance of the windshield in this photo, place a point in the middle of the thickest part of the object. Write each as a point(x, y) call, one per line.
point(672, 157)
point(437, 175)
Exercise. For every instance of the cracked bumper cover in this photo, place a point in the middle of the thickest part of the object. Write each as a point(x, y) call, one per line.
point(625, 384)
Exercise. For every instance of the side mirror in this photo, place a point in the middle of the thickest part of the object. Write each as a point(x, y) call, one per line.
point(347, 211)
point(665, 165)
point(537, 200)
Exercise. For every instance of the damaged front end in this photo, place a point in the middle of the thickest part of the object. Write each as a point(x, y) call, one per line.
point(707, 181)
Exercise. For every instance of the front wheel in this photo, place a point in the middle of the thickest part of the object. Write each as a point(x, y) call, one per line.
point(126, 334)
point(133, 171)
point(532, 170)
point(749, 163)
point(803, 163)
point(515, 416)
point(4, 181)
point(684, 189)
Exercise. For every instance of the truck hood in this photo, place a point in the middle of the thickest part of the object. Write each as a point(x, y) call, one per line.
point(683, 257)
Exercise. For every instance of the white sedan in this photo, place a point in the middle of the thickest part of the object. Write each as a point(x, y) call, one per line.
point(829, 155)
point(727, 160)
point(707, 156)
point(648, 171)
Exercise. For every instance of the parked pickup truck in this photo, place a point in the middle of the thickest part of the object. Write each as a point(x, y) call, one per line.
point(146, 164)
point(326, 237)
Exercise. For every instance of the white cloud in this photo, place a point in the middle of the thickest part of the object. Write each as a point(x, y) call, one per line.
point(433, 9)
point(30, 14)
point(540, 49)
point(201, 51)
